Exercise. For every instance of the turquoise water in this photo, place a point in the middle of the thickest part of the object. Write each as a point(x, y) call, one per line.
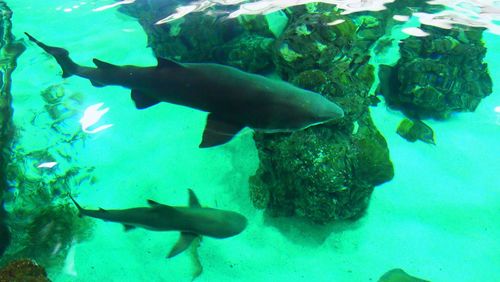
point(438, 218)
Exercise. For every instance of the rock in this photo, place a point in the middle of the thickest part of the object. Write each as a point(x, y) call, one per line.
point(322, 173)
point(438, 74)
point(309, 42)
point(413, 130)
point(23, 270)
point(399, 275)
point(250, 53)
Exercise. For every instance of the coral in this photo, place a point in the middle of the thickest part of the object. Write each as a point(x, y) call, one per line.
point(23, 270)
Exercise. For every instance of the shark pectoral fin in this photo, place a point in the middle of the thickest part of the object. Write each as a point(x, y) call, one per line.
point(218, 131)
point(142, 101)
point(128, 227)
point(193, 200)
point(167, 63)
point(103, 65)
point(182, 244)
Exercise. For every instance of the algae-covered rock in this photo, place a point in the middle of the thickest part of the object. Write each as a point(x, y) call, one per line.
point(438, 74)
point(311, 41)
point(413, 130)
point(248, 52)
point(326, 172)
point(245, 43)
point(323, 173)
point(23, 270)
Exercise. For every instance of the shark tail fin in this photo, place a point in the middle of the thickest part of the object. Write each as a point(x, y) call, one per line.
point(61, 55)
point(80, 209)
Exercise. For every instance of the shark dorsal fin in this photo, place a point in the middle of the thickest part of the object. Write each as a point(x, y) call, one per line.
point(153, 203)
point(182, 244)
point(168, 63)
point(193, 200)
point(103, 65)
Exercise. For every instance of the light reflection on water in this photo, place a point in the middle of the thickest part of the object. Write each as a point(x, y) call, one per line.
point(91, 116)
point(473, 13)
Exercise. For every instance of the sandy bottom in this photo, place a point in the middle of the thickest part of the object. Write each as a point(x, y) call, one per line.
point(438, 218)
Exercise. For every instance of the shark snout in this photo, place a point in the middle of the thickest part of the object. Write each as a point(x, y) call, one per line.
point(329, 111)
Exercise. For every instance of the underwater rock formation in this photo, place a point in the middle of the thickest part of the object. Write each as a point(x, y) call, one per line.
point(323, 173)
point(200, 37)
point(326, 172)
point(10, 50)
point(23, 270)
point(438, 74)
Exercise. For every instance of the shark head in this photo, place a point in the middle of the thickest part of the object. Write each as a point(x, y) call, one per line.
point(325, 111)
point(318, 110)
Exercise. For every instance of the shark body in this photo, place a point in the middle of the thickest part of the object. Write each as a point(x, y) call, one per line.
point(192, 221)
point(233, 98)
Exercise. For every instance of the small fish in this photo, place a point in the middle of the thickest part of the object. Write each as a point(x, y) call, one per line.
point(233, 98)
point(192, 221)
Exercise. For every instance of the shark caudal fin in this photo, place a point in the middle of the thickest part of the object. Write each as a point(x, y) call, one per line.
point(80, 209)
point(61, 55)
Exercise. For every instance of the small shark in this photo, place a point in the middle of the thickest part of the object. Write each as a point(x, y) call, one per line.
point(233, 98)
point(191, 221)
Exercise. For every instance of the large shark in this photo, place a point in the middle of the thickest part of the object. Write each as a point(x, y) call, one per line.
point(191, 221)
point(233, 98)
